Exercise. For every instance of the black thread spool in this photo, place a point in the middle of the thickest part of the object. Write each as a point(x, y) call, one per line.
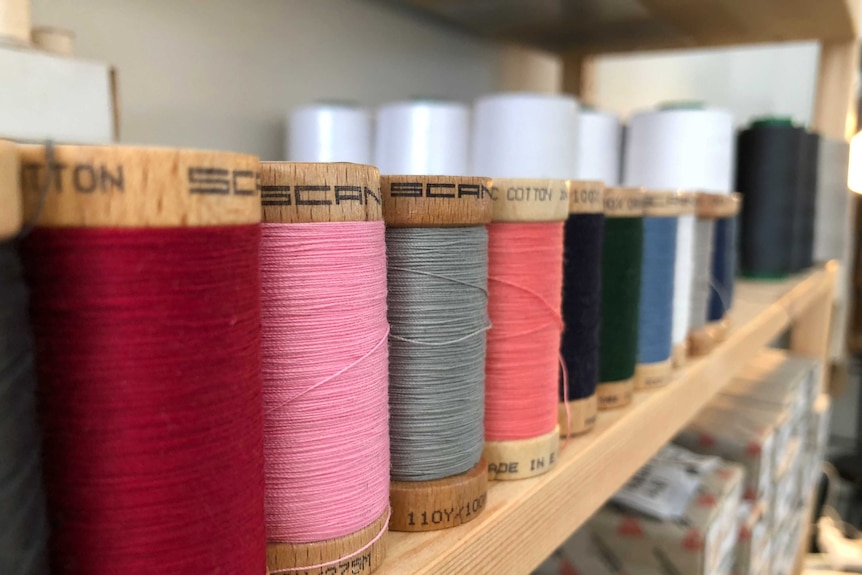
point(768, 157)
point(582, 285)
point(23, 521)
point(806, 204)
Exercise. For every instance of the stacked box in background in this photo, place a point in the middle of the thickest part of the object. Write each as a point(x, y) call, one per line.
point(772, 422)
point(620, 541)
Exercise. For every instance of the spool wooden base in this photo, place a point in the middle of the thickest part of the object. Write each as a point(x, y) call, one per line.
point(522, 458)
point(439, 504)
point(700, 342)
point(718, 330)
point(581, 416)
point(679, 355)
point(344, 551)
point(653, 375)
point(615, 394)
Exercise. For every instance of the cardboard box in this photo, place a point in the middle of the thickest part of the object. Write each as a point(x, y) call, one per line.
point(699, 543)
point(53, 97)
point(753, 552)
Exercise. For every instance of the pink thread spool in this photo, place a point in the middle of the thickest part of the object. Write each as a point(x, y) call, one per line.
point(325, 367)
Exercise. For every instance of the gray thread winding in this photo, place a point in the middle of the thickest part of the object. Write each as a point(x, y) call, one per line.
point(438, 300)
point(703, 232)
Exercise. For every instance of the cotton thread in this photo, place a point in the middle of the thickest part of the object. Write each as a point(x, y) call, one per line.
point(703, 250)
point(683, 278)
point(438, 295)
point(325, 378)
point(723, 269)
point(656, 293)
point(525, 284)
point(24, 528)
point(150, 398)
point(621, 277)
point(582, 284)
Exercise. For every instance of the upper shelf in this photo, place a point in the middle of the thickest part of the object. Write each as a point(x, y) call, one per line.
point(526, 520)
point(604, 26)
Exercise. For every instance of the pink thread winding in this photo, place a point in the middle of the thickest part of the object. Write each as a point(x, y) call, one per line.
point(525, 282)
point(325, 378)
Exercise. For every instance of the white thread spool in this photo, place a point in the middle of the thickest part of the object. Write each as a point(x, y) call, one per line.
point(683, 147)
point(422, 137)
point(599, 147)
point(15, 21)
point(522, 135)
point(329, 132)
point(57, 41)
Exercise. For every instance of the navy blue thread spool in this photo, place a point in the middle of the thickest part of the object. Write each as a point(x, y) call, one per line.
point(582, 281)
point(723, 266)
point(802, 255)
point(661, 216)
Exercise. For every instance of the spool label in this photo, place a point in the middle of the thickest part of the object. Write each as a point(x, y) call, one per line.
point(661, 204)
point(436, 201)
point(118, 186)
point(438, 504)
point(624, 202)
point(522, 458)
point(586, 197)
point(614, 394)
point(530, 200)
point(715, 206)
point(687, 203)
point(297, 192)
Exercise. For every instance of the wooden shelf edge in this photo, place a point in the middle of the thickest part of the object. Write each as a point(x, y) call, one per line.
point(524, 521)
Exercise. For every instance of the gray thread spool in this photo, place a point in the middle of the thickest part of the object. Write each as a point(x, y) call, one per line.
point(703, 232)
point(438, 315)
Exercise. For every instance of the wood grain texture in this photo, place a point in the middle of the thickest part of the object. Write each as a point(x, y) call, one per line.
point(439, 504)
point(714, 206)
point(661, 204)
point(586, 197)
point(344, 551)
point(579, 418)
point(304, 192)
point(687, 203)
point(436, 201)
point(526, 520)
point(615, 394)
point(582, 28)
point(650, 376)
point(522, 458)
point(10, 191)
point(530, 200)
point(624, 202)
point(130, 187)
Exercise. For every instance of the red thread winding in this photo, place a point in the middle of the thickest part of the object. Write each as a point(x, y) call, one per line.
point(148, 347)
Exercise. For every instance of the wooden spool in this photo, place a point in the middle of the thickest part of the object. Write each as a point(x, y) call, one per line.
point(57, 41)
point(711, 206)
point(15, 22)
point(299, 192)
point(131, 187)
point(687, 207)
point(10, 191)
point(579, 416)
point(620, 202)
point(422, 202)
point(658, 204)
point(727, 207)
point(524, 200)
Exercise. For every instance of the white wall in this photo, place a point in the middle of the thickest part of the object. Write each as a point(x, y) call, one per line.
point(752, 81)
point(222, 74)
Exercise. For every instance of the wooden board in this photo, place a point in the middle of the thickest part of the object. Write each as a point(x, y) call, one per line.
point(524, 521)
point(583, 27)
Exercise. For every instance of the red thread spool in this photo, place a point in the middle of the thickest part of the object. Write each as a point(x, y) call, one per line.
point(145, 306)
point(525, 263)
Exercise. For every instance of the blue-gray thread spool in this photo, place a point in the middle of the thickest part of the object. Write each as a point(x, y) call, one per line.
point(656, 294)
point(438, 299)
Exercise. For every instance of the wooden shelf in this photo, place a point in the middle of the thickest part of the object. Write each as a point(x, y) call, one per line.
point(602, 26)
point(526, 520)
